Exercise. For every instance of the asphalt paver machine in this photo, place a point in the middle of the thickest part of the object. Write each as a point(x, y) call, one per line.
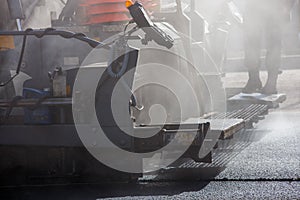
point(154, 76)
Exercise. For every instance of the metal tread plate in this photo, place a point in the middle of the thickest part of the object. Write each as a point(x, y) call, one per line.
point(249, 114)
point(272, 101)
point(229, 123)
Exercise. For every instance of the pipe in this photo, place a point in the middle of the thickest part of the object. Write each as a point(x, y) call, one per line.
point(34, 102)
point(19, 24)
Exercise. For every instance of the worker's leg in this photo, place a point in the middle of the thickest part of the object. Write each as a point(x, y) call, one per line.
point(252, 39)
point(273, 59)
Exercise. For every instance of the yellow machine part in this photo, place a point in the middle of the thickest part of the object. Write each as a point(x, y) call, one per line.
point(7, 43)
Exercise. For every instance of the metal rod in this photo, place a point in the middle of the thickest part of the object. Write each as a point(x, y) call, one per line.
point(19, 24)
point(34, 102)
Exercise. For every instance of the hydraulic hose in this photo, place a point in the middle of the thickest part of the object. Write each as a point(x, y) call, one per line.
point(124, 63)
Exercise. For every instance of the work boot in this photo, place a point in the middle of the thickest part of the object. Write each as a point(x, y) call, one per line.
point(254, 83)
point(270, 87)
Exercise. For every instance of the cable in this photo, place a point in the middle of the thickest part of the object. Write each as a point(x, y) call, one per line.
point(130, 22)
point(123, 40)
point(50, 31)
point(124, 63)
point(19, 63)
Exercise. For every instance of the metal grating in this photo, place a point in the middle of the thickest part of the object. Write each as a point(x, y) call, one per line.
point(250, 114)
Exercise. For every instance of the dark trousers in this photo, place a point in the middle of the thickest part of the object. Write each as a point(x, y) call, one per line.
point(259, 25)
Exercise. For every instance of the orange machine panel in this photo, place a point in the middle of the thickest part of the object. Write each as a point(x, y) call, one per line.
point(106, 11)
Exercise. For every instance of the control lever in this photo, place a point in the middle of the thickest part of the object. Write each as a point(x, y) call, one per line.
point(159, 36)
point(143, 21)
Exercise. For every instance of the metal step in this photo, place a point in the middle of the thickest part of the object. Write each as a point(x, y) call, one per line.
point(226, 126)
point(272, 101)
point(249, 114)
point(231, 122)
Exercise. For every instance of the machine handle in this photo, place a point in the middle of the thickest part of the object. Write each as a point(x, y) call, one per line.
point(143, 21)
